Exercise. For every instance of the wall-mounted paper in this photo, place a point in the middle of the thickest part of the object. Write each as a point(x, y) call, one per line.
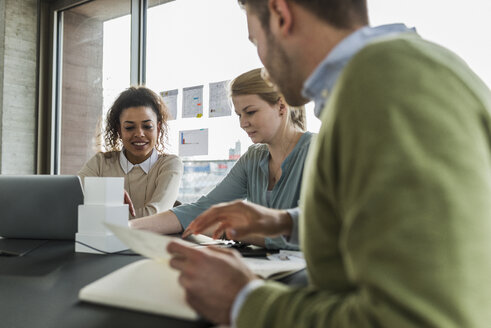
point(193, 142)
point(219, 100)
point(192, 102)
point(170, 100)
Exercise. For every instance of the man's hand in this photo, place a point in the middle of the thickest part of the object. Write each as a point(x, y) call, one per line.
point(240, 219)
point(127, 200)
point(212, 278)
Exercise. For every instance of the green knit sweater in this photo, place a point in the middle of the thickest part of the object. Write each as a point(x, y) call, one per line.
point(396, 199)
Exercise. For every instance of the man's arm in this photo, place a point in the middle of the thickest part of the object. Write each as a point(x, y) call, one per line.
point(396, 202)
point(396, 205)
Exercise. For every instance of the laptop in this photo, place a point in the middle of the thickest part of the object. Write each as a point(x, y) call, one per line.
point(39, 206)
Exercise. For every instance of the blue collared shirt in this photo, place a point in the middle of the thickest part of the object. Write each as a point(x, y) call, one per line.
point(320, 83)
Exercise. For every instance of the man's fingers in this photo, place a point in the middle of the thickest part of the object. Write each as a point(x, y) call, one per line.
point(218, 233)
point(177, 263)
point(239, 232)
point(202, 222)
point(217, 214)
point(187, 233)
point(222, 251)
point(178, 249)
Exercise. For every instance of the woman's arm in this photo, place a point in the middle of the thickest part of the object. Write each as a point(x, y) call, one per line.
point(163, 223)
point(233, 186)
point(167, 179)
point(167, 223)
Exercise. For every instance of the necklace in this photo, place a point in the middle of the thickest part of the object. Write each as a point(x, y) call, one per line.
point(273, 178)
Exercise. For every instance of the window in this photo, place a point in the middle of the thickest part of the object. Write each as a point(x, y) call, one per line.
point(92, 36)
point(462, 27)
point(192, 43)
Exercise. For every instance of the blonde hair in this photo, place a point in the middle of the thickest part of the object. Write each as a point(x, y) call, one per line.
point(252, 83)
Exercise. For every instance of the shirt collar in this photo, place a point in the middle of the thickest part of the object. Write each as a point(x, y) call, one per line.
point(127, 166)
point(320, 83)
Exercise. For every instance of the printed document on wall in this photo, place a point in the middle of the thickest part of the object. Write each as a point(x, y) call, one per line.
point(192, 102)
point(219, 101)
point(170, 100)
point(193, 142)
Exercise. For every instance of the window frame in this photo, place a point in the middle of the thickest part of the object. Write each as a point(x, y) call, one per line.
point(50, 59)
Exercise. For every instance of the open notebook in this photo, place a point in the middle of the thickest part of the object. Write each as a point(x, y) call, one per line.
point(150, 285)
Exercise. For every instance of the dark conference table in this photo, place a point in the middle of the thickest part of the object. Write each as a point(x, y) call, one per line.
point(40, 289)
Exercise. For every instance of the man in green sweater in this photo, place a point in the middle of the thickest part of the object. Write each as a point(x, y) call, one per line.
point(396, 210)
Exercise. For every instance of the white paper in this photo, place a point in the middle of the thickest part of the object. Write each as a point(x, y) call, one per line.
point(170, 100)
point(193, 142)
point(192, 102)
point(154, 246)
point(144, 285)
point(219, 100)
point(286, 255)
point(274, 264)
point(143, 242)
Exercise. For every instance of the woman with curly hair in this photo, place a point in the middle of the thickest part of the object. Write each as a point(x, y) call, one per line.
point(134, 138)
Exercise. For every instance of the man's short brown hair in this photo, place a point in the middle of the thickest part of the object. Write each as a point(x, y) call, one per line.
point(341, 14)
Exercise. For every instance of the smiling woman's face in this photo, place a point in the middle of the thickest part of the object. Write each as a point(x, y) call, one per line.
point(139, 132)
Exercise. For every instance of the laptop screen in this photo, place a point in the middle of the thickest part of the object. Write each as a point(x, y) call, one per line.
point(39, 206)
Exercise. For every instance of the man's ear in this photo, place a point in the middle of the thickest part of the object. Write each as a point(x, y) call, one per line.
point(280, 16)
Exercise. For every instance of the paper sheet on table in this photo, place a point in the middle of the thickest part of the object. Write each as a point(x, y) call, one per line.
point(143, 242)
point(284, 262)
point(154, 246)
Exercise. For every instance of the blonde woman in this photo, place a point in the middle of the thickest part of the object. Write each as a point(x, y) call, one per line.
point(269, 173)
point(136, 128)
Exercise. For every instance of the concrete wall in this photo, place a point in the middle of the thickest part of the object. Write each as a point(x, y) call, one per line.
point(2, 55)
point(81, 89)
point(18, 33)
point(82, 101)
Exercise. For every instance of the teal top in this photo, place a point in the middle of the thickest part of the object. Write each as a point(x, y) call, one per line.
point(396, 209)
point(249, 179)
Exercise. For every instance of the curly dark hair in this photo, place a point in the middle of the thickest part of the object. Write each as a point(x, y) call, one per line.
point(135, 97)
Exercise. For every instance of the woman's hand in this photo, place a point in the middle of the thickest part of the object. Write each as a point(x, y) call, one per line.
point(127, 200)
